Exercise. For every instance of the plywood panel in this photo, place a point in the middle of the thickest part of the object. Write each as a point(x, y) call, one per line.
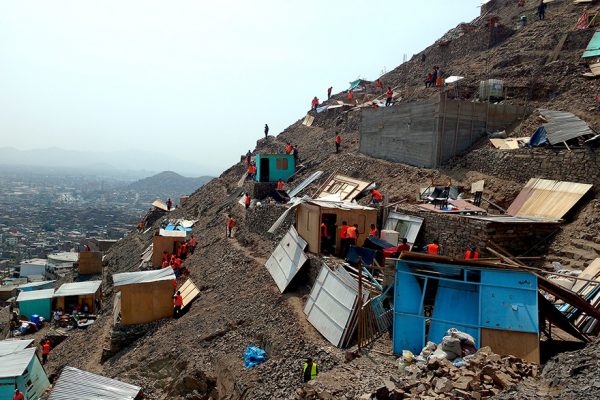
point(308, 226)
point(160, 244)
point(146, 302)
point(519, 344)
point(90, 262)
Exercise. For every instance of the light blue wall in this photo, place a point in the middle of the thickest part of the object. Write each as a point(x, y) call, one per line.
point(7, 388)
point(48, 285)
point(274, 173)
point(39, 380)
point(40, 307)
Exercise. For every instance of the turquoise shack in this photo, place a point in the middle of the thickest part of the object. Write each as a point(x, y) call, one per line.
point(273, 167)
point(20, 368)
point(36, 302)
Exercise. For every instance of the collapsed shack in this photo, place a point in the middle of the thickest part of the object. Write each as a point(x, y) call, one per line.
point(500, 305)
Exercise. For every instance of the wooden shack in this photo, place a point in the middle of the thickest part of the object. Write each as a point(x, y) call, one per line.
point(145, 296)
point(165, 241)
point(310, 215)
point(90, 263)
point(78, 293)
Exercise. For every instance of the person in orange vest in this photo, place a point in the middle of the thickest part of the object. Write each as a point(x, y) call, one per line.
point(472, 253)
point(376, 196)
point(18, 395)
point(433, 248)
point(352, 235)
point(338, 142)
point(229, 226)
point(343, 239)
point(140, 226)
point(379, 85)
point(324, 238)
point(193, 243)
point(164, 264)
point(178, 304)
point(288, 148)
point(350, 95)
point(184, 250)
point(374, 231)
point(165, 255)
point(314, 103)
point(177, 267)
point(280, 184)
point(389, 97)
point(247, 200)
point(329, 89)
point(45, 351)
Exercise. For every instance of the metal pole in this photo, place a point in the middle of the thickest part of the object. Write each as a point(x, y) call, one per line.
point(360, 288)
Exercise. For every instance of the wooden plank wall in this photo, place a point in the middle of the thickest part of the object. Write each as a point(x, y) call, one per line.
point(146, 302)
point(160, 244)
point(90, 262)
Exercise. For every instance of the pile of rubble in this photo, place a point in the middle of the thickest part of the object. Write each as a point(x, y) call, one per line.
point(483, 375)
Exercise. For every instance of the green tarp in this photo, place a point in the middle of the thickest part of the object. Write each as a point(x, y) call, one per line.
point(593, 47)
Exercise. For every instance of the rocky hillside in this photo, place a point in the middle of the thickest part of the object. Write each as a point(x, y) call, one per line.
point(199, 356)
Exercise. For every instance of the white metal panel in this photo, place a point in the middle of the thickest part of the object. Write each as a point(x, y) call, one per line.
point(78, 288)
point(330, 305)
point(305, 183)
point(129, 278)
point(414, 224)
point(81, 385)
point(163, 232)
point(14, 364)
point(35, 295)
point(287, 259)
point(12, 346)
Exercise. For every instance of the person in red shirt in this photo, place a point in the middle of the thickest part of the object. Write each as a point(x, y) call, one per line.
point(314, 103)
point(389, 100)
point(350, 95)
point(251, 171)
point(177, 304)
point(338, 142)
point(229, 226)
point(374, 231)
point(376, 196)
point(288, 148)
point(45, 351)
point(18, 395)
point(280, 184)
point(193, 243)
point(247, 200)
point(343, 239)
point(164, 264)
point(324, 239)
point(379, 85)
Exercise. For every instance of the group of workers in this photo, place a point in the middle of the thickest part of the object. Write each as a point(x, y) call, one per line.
point(434, 78)
point(182, 250)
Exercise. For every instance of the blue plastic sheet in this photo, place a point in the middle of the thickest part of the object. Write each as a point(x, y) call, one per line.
point(253, 356)
point(539, 137)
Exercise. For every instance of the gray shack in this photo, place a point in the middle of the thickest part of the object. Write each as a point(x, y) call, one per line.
point(429, 133)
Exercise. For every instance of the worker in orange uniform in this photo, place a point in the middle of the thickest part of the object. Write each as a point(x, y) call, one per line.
point(280, 184)
point(379, 85)
point(288, 148)
point(374, 231)
point(472, 253)
point(433, 248)
point(45, 351)
point(251, 171)
point(193, 243)
point(376, 196)
point(343, 239)
point(177, 267)
point(178, 304)
point(324, 239)
point(164, 264)
point(350, 96)
point(314, 103)
point(18, 395)
point(352, 235)
point(247, 200)
point(338, 142)
point(389, 97)
point(229, 226)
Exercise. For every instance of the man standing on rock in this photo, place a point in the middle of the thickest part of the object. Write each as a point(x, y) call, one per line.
point(309, 372)
point(338, 142)
point(230, 225)
point(266, 130)
point(542, 10)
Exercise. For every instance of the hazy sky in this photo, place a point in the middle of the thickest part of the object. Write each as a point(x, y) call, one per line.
point(195, 79)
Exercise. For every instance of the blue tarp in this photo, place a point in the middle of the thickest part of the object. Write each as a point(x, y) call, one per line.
point(367, 255)
point(376, 244)
point(593, 47)
point(173, 227)
point(254, 356)
point(539, 137)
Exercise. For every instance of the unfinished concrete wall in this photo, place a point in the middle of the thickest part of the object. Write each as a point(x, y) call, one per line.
point(427, 134)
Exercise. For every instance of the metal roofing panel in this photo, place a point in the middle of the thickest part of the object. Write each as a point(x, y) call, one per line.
point(305, 183)
point(593, 47)
point(563, 126)
point(342, 205)
point(34, 284)
point(287, 259)
point(407, 225)
point(163, 232)
point(330, 305)
point(81, 385)
point(160, 205)
point(11, 346)
point(547, 198)
point(14, 364)
point(78, 288)
point(36, 295)
point(131, 278)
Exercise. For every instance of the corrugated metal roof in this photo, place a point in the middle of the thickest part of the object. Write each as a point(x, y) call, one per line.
point(130, 278)
point(330, 305)
point(305, 183)
point(287, 258)
point(35, 295)
point(34, 284)
point(81, 385)
point(593, 47)
point(544, 198)
point(14, 364)
point(78, 288)
point(563, 126)
point(10, 346)
point(342, 205)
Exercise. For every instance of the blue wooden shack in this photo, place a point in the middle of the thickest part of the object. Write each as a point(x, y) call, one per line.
point(272, 167)
point(20, 368)
point(498, 307)
point(37, 302)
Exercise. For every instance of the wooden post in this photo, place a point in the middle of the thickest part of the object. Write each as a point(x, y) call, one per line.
point(360, 285)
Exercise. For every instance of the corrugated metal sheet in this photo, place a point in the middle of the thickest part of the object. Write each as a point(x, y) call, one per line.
point(547, 198)
point(131, 278)
point(34, 285)
point(78, 288)
point(287, 259)
point(11, 346)
point(563, 126)
point(330, 305)
point(14, 364)
point(35, 295)
point(305, 183)
point(342, 205)
point(347, 188)
point(81, 385)
point(593, 47)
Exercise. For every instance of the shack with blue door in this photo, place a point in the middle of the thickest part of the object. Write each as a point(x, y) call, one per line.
point(20, 368)
point(498, 307)
point(37, 302)
point(273, 167)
